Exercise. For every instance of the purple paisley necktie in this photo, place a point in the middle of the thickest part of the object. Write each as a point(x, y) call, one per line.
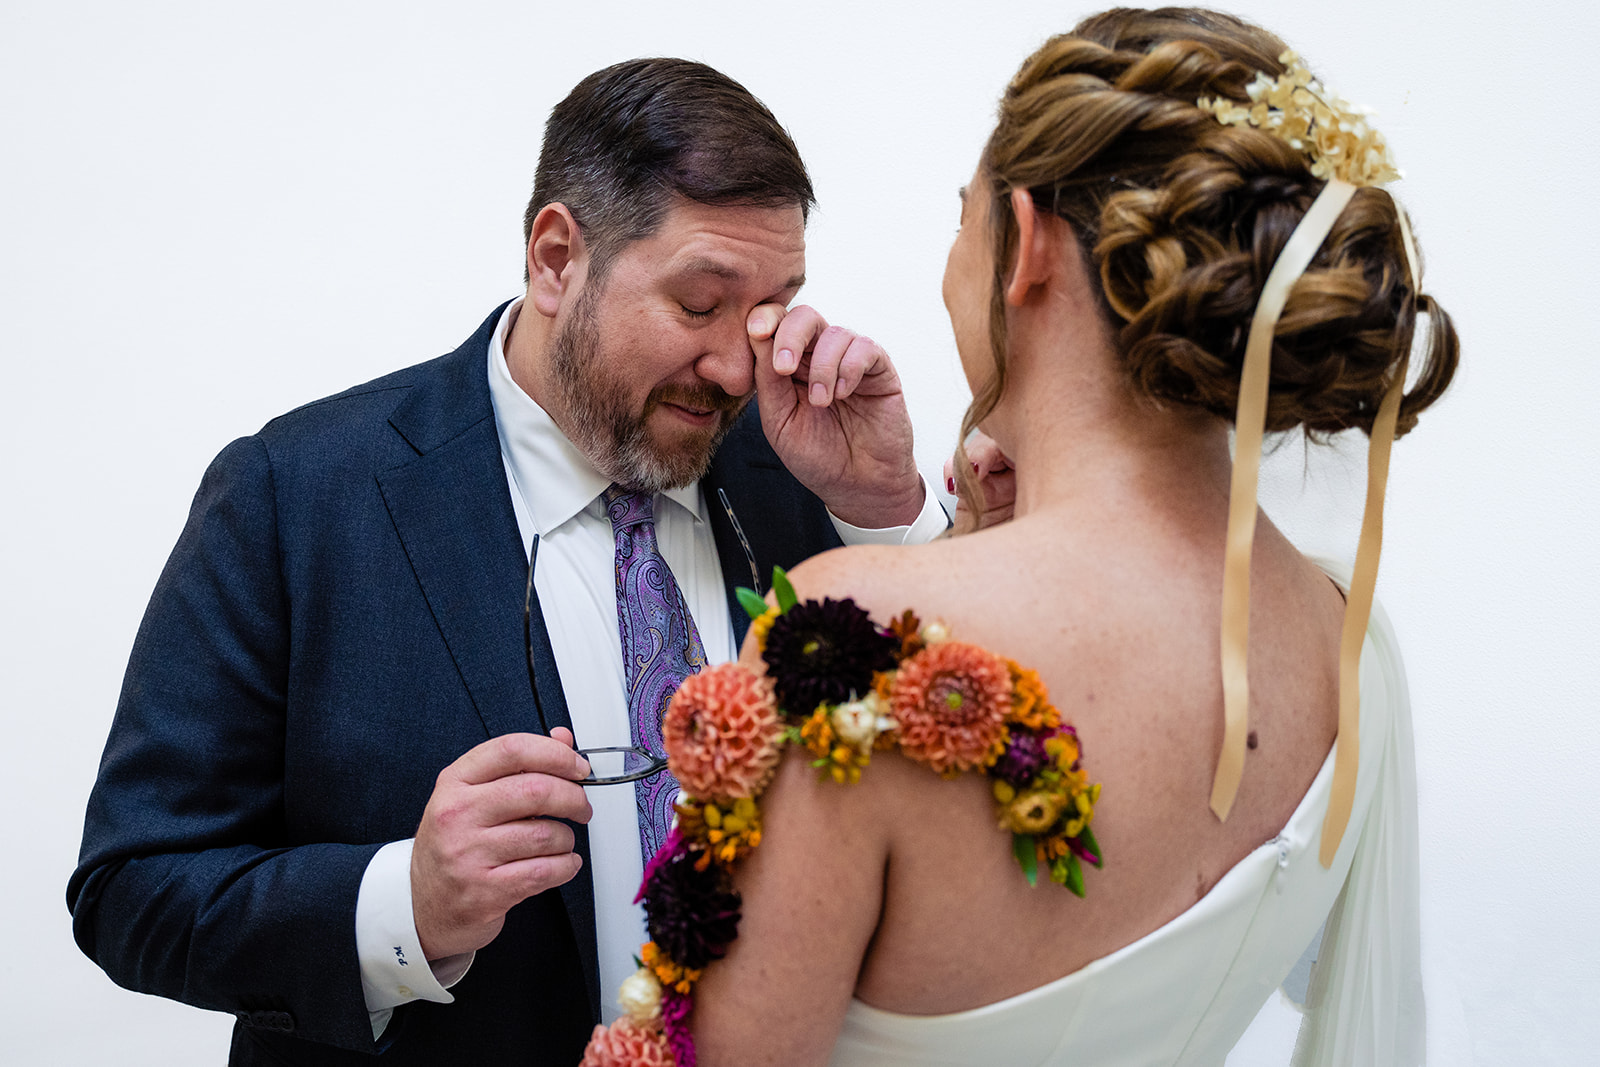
point(660, 647)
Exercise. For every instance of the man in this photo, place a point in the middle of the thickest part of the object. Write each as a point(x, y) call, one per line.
point(331, 801)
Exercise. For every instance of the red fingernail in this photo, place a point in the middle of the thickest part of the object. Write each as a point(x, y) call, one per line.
point(949, 485)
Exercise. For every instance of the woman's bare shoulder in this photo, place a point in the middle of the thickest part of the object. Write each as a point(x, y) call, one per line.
point(845, 569)
point(878, 577)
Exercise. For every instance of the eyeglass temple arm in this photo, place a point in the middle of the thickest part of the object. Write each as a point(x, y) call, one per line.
point(527, 635)
point(744, 542)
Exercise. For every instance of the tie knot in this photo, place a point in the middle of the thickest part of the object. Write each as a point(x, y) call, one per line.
point(629, 507)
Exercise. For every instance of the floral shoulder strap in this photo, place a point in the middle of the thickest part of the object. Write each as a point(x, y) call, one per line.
point(840, 687)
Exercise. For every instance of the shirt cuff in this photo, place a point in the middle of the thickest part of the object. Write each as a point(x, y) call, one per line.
point(929, 524)
point(393, 968)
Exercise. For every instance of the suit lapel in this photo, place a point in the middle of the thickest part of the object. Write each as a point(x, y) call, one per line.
point(452, 510)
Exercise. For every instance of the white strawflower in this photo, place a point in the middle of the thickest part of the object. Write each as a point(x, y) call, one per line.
point(640, 996)
point(856, 721)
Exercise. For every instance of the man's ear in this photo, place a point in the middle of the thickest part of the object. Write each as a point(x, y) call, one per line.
point(1039, 248)
point(557, 259)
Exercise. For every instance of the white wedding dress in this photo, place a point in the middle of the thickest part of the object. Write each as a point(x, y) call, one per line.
point(1184, 993)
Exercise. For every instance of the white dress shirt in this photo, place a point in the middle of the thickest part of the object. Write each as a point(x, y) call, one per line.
point(555, 492)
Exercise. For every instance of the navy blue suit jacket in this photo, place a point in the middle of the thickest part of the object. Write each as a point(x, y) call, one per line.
point(342, 617)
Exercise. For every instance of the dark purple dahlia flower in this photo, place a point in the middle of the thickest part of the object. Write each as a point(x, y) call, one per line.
point(1023, 758)
point(820, 653)
point(691, 914)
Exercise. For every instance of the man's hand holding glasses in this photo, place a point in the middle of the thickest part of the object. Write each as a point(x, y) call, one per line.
point(492, 836)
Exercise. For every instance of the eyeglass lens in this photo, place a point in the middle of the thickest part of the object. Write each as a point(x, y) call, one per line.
point(621, 764)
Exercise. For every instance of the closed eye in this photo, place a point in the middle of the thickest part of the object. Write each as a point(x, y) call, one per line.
point(693, 314)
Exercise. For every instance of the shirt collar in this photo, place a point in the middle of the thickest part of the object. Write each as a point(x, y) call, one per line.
point(556, 480)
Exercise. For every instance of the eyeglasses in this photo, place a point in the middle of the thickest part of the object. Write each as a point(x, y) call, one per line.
point(610, 765)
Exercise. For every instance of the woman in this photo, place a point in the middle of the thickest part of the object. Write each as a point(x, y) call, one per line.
point(1116, 246)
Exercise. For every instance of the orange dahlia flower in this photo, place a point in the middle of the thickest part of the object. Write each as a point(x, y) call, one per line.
point(951, 701)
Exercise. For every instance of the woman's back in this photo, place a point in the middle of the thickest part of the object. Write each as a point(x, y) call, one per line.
point(1123, 632)
point(1182, 995)
point(895, 909)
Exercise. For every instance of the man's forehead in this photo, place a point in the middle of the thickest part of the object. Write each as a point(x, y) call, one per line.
point(735, 243)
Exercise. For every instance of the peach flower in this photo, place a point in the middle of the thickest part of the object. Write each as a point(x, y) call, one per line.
point(626, 1043)
point(722, 733)
point(950, 701)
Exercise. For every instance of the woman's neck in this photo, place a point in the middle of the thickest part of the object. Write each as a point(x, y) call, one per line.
point(1075, 432)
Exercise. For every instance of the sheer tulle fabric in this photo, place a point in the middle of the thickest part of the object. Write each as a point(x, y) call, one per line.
point(1184, 993)
point(1364, 1004)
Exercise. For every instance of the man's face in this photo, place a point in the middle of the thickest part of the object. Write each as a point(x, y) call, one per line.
point(653, 362)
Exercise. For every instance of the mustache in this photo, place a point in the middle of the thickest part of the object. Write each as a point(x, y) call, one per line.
point(699, 397)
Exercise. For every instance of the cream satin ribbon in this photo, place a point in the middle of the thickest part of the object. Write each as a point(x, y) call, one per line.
point(1249, 425)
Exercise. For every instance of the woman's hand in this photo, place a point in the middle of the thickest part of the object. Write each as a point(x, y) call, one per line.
point(997, 480)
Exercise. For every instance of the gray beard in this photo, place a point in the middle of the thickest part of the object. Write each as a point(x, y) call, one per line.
point(614, 439)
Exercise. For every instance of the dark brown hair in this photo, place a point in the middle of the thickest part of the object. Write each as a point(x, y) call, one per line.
point(1181, 218)
point(629, 138)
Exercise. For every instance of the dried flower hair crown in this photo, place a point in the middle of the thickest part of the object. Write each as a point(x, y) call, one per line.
point(1299, 110)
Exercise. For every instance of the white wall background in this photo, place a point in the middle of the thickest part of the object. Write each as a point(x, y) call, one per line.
point(210, 213)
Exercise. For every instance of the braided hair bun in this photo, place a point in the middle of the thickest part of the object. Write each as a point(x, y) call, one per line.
point(1181, 219)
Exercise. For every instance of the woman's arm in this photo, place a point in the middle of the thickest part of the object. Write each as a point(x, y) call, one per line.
point(812, 896)
point(812, 893)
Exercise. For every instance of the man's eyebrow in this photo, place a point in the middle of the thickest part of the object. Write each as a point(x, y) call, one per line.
point(962, 193)
point(729, 273)
point(712, 267)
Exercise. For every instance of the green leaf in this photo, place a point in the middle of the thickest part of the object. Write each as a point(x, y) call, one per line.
point(785, 591)
point(1074, 874)
point(752, 602)
point(1023, 847)
point(1087, 840)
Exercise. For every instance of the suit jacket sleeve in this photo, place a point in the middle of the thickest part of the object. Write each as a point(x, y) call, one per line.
point(190, 884)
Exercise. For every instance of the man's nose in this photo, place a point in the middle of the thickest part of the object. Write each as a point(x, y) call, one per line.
point(730, 362)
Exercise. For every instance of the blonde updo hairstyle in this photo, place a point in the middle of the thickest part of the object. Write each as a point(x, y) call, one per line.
point(1181, 218)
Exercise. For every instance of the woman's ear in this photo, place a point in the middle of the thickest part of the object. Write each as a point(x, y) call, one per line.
point(1038, 248)
point(557, 259)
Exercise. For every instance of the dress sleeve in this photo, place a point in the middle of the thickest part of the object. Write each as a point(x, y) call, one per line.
point(1364, 1002)
point(189, 885)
